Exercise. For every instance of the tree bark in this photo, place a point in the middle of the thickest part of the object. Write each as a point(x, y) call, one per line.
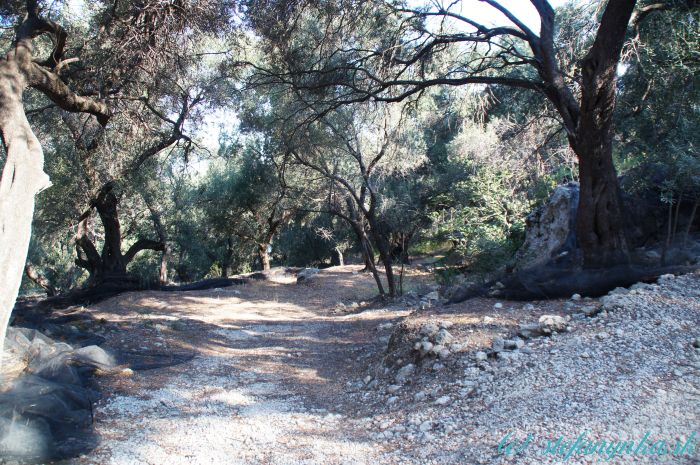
point(600, 226)
point(22, 178)
point(338, 257)
point(111, 264)
point(42, 281)
point(164, 258)
point(384, 254)
point(23, 174)
point(264, 256)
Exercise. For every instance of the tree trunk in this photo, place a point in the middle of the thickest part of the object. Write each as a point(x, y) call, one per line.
point(600, 226)
point(384, 249)
point(110, 266)
point(113, 264)
point(338, 257)
point(227, 262)
point(264, 256)
point(599, 222)
point(22, 178)
point(690, 221)
point(40, 280)
point(165, 256)
point(367, 254)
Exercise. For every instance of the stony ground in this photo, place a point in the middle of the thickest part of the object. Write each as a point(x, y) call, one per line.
point(284, 374)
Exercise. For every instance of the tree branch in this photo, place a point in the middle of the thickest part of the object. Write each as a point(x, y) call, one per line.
point(142, 244)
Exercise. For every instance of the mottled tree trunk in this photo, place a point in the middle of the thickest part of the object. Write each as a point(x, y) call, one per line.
point(22, 178)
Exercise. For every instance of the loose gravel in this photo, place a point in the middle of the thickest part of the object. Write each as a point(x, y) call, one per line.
point(288, 387)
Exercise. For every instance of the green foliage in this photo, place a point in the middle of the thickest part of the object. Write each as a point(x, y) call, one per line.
point(659, 111)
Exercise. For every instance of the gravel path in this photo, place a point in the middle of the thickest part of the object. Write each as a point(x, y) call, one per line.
point(282, 377)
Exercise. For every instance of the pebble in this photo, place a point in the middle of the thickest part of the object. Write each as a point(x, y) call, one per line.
point(444, 400)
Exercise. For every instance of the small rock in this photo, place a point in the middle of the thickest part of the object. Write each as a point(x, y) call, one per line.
point(444, 400)
point(619, 291)
point(178, 326)
point(589, 310)
point(429, 329)
point(426, 346)
point(443, 337)
point(437, 366)
point(392, 400)
point(612, 301)
point(444, 353)
point(488, 320)
point(420, 396)
point(393, 388)
point(367, 379)
point(576, 297)
point(307, 275)
point(551, 323)
point(640, 287)
point(426, 426)
point(498, 305)
point(405, 372)
point(696, 343)
point(481, 356)
point(529, 307)
point(529, 330)
point(498, 344)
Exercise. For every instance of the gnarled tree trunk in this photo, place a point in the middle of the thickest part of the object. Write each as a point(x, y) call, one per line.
point(22, 178)
point(23, 173)
point(600, 226)
point(109, 266)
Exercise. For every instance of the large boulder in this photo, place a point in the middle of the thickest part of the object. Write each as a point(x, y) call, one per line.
point(550, 229)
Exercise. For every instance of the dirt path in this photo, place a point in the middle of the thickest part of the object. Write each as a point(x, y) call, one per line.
point(267, 384)
point(282, 375)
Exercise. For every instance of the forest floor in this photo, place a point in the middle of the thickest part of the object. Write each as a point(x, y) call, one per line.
point(284, 375)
